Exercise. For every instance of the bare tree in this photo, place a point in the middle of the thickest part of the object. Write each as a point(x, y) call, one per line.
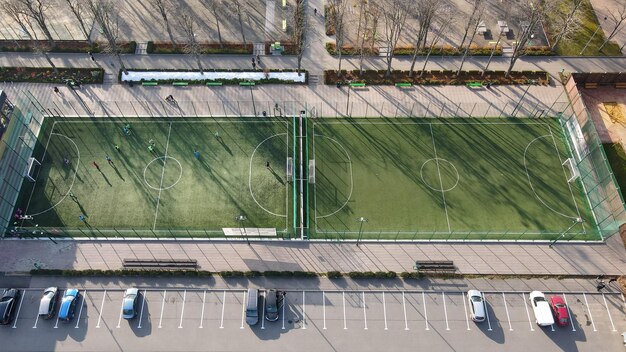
point(618, 19)
point(107, 17)
point(192, 47)
point(477, 6)
point(238, 8)
point(35, 9)
point(425, 12)
point(366, 32)
point(529, 14)
point(478, 17)
point(163, 7)
point(443, 20)
point(338, 10)
point(78, 8)
point(394, 15)
point(216, 8)
point(568, 24)
point(299, 31)
point(493, 51)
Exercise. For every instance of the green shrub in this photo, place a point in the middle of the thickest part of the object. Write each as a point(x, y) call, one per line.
point(411, 275)
point(252, 273)
point(150, 47)
point(334, 275)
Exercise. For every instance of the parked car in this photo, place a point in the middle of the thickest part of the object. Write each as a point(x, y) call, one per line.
point(8, 301)
point(252, 307)
point(477, 305)
point(48, 302)
point(68, 304)
point(560, 310)
point(541, 308)
point(272, 300)
point(129, 306)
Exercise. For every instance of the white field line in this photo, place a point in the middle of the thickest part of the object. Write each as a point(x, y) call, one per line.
point(487, 313)
point(45, 152)
point(465, 310)
point(182, 310)
point(429, 123)
point(443, 193)
point(104, 295)
point(167, 144)
point(589, 310)
point(385, 310)
point(569, 313)
point(445, 309)
point(143, 303)
point(406, 322)
point(162, 308)
point(243, 309)
point(223, 305)
point(202, 314)
point(364, 310)
point(351, 177)
point(250, 176)
point(303, 312)
point(287, 186)
point(80, 311)
point(508, 317)
point(324, 308)
point(607, 312)
point(527, 313)
point(425, 312)
point(19, 308)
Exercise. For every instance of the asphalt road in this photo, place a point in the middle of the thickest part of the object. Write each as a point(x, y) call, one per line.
point(195, 319)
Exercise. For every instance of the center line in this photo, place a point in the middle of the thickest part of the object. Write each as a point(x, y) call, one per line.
point(167, 144)
point(443, 193)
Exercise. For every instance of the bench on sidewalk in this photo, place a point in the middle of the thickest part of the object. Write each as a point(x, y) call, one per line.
point(160, 263)
point(149, 83)
point(434, 265)
point(247, 83)
point(474, 84)
point(357, 85)
point(180, 84)
point(214, 84)
point(403, 85)
point(620, 85)
point(591, 85)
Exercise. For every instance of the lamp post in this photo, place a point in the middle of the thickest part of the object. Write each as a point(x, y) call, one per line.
point(361, 220)
point(591, 38)
point(241, 219)
point(576, 222)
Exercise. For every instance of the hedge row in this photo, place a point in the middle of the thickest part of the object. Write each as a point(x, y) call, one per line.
point(205, 48)
point(63, 46)
point(47, 75)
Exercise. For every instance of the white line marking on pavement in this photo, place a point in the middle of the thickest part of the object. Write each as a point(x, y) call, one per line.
point(527, 313)
point(80, 311)
point(143, 303)
point(263, 311)
point(385, 310)
point(465, 310)
point(243, 309)
point(324, 308)
point(589, 310)
point(284, 304)
point(508, 317)
point(303, 312)
point(162, 307)
point(202, 314)
point(56, 323)
point(406, 322)
point(569, 313)
point(343, 295)
point(19, 308)
point(36, 320)
point(364, 311)
point(607, 312)
point(487, 312)
point(425, 312)
point(223, 305)
point(552, 327)
point(182, 311)
point(445, 309)
point(119, 321)
point(104, 295)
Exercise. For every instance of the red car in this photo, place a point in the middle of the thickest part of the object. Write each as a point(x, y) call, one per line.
point(560, 310)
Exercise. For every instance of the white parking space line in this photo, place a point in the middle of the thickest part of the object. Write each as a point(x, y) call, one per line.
point(56, 323)
point(36, 320)
point(607, 312)
point(19, 308)
point(569, 313)
point(119, 321)
point(162, 308)
point(406, 322)
point(445, 309)
point(487, 312)
point(465, 309)
point(343, 296)
point(508, 317)
point(527, 313)
point(385, 311)
point(263, 311)
point(243, 309)
point(284, 304)
point(80, 311)
point(143, 303)
point(224, 304)
point(303, 312)
point(202, 314)
point(425, 312)
point(364, 311)
point(182, 311)
point(104, 295)
point(324, 308)
point(589, 310)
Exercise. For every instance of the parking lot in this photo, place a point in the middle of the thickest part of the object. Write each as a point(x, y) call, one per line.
point(315, 321)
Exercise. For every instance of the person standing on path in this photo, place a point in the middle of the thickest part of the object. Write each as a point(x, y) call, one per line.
point(56, 90)
point(96, 165)
point(268, 166)
point(91, 56)
point(258, 59)
point(73, 197)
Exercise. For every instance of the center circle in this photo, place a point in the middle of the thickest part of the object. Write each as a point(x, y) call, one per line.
point(171, 183)
point(439, 175)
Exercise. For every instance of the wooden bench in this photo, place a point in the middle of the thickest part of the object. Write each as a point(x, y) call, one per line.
point(357, 85)
point(149, 83)
point(211, 84)
point(180, 84)
point(620, 85)
point(247, 83)
point(434, 265)
point(403, 84)
point(591, 85)
point(474, 84)
point(160, 263)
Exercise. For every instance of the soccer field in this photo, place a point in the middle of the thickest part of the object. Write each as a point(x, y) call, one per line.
point(444, 179)
point(169, 190)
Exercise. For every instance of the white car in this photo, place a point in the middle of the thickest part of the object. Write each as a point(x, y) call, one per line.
point(48, 302)
point(477, 305)
point(541, 308)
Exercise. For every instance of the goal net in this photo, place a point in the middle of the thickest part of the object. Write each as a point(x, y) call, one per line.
point(570, 165)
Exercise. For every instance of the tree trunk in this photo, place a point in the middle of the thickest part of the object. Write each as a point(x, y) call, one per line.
point(511, 64)
point(199, 63)
point(45, 54)
point(219, 32)
point(243, 35)
point(491, 55)
point(169, 29)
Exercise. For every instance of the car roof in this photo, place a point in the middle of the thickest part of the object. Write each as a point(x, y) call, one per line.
point(51, 289)
point(557, 299)
point(474, 293)
point(70, 292)
point(9, 292)
point(132, 291)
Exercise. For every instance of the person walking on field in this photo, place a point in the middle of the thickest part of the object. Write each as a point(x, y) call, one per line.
point(108, 159)
point(96, 165)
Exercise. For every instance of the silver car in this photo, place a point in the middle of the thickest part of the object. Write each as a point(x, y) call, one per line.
point(48, 302)
point(477, 305)
point(129, 305)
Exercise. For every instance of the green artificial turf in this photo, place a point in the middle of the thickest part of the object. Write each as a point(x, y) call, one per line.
point(616, 157)
point(167, 191)
point(502, 179)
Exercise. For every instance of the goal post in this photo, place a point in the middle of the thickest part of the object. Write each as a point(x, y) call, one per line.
point(29, 173)
point(570, 165)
